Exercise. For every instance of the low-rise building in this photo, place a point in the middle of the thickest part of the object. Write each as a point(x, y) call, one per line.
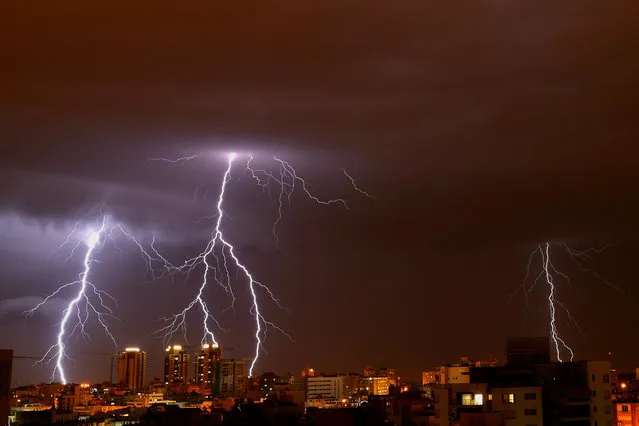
point(324, 390)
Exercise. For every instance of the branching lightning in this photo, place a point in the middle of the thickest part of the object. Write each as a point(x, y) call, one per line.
point(88, 300)
point(218, 259)
point(219, 254)
point(548, 275)
point(548, 268)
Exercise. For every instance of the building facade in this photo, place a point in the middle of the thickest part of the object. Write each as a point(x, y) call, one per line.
point(205, 365)
point(430, 377)
point(627, 413)
point(230, 378)
point(132, 369)
point(327, 387)
point(520, 406)
point(375, 385)
point(176, 365)
point(514, 405)
point(600, 393)
point(454, 374)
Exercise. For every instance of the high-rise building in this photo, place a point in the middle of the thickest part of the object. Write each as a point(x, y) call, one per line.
point(351, 384)
point(375, 385)
point(230, 377)
point(6, 361)
point(205, 364)
point(176, 365)
point(132, 369)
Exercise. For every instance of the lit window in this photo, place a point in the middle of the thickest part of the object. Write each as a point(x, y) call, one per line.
point(490, 396)
point(479, 399)
point(508, 398)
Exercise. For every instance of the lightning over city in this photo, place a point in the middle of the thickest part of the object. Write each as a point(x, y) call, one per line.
point(82, 305)
point(223, 252)
point(88, 299)
point(319, 213)
point(549, 273)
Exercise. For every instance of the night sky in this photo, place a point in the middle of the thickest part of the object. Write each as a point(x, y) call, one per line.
point(481, 127)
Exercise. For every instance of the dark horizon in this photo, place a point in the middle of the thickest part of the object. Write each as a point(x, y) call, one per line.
point(482, 129)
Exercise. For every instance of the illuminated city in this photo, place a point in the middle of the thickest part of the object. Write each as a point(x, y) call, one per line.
point(316, 213)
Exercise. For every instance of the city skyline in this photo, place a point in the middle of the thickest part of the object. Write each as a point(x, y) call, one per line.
point(481, 136)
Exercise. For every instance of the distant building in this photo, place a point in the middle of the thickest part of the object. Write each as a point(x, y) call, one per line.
point(205, 365)
point(132, 369)
point(176, 365)
point(388, 372)
point(430, 377)
point(6, 361)
point(73, 396)
point(369, 371)
point(375, 385)
point(286, 392)
point(308, 372)
point(351, 384)
point(230, 378)
point(451, 374)
point(327, 387)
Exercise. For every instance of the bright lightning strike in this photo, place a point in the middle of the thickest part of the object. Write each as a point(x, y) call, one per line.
point(548, 275)
point(88, 299)
point(548, 269)
point(222, 253)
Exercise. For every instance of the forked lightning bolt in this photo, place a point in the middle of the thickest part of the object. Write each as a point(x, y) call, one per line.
point(548, 275)
point(548, 269)
point(220, 251)
point(88, 299)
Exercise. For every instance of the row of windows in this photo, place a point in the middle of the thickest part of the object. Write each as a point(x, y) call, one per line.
point(509, 398)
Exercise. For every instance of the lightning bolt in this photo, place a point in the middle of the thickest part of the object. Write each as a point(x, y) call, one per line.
point(548, 269)
point(222, 253)
point(288, 179)
point(89, 300)
point(548, 275)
